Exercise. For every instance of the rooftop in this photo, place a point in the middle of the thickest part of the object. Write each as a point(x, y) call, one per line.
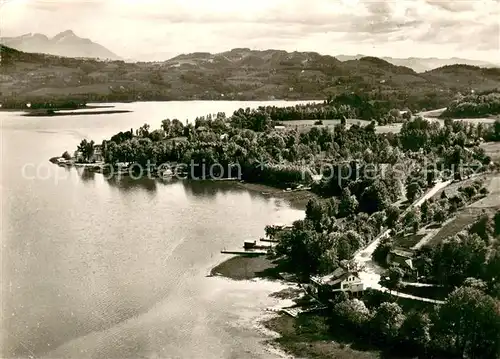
point(337, 276)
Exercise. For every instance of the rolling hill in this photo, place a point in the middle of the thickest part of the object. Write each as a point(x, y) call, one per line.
point(241, 73)
point(420, 64)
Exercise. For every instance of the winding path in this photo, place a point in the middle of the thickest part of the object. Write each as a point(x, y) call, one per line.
point(370, 271)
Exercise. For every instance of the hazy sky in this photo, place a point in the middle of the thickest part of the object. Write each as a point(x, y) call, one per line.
point(158, 29)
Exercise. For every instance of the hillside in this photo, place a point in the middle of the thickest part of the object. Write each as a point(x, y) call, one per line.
point(236, 74)
point(66, 43)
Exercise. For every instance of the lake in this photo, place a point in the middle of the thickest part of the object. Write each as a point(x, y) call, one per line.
point(115, 269)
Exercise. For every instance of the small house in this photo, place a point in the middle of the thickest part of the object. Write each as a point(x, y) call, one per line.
point(404, 260)
point(97, 156)
point(400, 257)
point(340, 280)
point(78, 156)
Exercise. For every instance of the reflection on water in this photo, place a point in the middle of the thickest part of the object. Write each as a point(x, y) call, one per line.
point(209, 188)
point(127, 183)
point(86, 174)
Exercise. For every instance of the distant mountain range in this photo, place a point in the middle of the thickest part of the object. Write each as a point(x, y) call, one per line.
point(63, 44)
point(70, 45)
point(420, 64)
point(239, 74)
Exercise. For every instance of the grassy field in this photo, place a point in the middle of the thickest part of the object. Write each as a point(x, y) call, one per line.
point(462, 220)
point(452, 189)
point(407, 241)
point(306, 125)
point(310, 123)
point(492, 149)
point(467, 216)
point(493, 198)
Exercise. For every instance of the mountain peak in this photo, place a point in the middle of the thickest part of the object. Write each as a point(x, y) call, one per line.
point(66, 43)
point(64, 34)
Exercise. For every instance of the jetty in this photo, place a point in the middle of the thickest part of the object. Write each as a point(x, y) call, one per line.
point(250, 249)
point(254, 248)
point(245, 253)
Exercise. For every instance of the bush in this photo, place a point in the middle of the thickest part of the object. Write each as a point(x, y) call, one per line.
point(66, 155)
point(484, 191)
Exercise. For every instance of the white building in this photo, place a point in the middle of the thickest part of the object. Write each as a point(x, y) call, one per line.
point(341, 280)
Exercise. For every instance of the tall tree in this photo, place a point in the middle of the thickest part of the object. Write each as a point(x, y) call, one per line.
point(469, 324)
point(387, 320)
point(413, 190)
point(415, 331)
point(393, 213)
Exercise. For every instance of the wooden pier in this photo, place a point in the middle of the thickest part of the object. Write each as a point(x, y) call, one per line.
point(248, 253)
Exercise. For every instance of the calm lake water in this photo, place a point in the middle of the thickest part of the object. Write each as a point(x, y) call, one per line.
point(112, 269)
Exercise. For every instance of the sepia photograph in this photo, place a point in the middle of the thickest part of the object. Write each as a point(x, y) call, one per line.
point(265, 179)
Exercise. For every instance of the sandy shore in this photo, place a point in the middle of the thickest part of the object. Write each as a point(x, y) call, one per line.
point(243, 268)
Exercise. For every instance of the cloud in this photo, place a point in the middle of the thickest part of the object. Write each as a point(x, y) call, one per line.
point(453, 6)
point(65, 5)
point(459, 28)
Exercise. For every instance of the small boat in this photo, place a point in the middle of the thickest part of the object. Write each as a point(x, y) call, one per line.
point(249, 245)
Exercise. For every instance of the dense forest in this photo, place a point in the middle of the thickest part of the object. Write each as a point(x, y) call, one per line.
point(474, 105)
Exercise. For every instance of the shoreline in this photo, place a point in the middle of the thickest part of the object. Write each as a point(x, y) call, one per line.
point(296, 198)
point(307, 336)
point(86, 107)
point(243, 268)
point(74, 113)
point(96, 104)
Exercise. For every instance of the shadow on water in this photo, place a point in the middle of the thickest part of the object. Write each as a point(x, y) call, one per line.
point(197, 188)
point(130, 184)
point(86, 175)
point(209, 189)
